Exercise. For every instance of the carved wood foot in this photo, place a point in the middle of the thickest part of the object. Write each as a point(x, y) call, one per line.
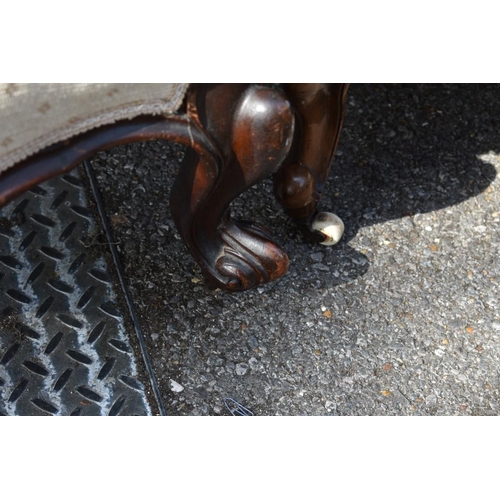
point(299, 184)
point(252, 127)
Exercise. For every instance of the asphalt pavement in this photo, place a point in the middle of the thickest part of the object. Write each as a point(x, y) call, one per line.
point(402, 317)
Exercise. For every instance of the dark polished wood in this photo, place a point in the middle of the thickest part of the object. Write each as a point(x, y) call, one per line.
point(66, 156)
point(237, 135)
point(253, 128)
point(300, 182)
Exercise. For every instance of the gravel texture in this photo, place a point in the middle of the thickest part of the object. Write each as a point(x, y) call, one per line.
point(402, 317)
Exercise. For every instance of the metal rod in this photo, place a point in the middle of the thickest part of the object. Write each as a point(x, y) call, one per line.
point(123, 282)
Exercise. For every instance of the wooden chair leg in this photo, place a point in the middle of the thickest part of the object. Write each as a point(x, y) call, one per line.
point(252, 127)
point(299, 184)
point(238, 134)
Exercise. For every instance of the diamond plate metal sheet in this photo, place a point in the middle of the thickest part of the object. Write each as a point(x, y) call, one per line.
point(64, 348)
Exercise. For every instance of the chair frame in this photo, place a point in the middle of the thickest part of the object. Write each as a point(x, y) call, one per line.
point(237, 135)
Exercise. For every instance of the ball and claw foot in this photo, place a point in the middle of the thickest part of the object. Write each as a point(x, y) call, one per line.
point(330, 226)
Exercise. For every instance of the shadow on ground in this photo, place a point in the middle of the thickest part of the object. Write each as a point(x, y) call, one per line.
point(406, 150)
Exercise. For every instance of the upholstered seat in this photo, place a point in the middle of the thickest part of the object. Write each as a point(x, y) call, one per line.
point(35, 116)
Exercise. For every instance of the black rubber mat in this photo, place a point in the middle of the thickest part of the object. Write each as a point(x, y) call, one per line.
point(64, 348)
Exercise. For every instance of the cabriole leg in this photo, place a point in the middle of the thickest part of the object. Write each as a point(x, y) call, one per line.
point(252, 128)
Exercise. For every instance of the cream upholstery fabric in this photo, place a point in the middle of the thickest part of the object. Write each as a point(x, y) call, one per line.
point(36, 115)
